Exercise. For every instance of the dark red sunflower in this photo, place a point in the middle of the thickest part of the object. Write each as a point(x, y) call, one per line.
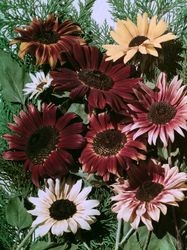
point(103, 83)
point(43, 141)
point(48, 39)
point(108, 149)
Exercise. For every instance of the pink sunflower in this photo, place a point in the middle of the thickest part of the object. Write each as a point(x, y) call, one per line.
point(102, 83)
point(160, 111)
point(43, 141)
point(108, 149)
point(150, 188)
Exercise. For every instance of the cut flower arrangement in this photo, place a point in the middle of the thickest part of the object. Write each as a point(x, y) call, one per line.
point(93, 126)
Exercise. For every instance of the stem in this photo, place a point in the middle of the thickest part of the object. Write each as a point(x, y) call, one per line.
point(178, 236)
point(147, 240)
point(125, 238)
point(86, 246)
point(118, 234)
point(26, 238)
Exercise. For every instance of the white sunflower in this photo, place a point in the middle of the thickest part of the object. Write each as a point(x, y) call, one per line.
point(39, 83)
point(63, 207)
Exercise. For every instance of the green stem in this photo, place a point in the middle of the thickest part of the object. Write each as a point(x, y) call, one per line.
point(125, 238)
point(26, 238)
point(86, 246)
point(178, 236)
point(147, 240)
point(118, 234)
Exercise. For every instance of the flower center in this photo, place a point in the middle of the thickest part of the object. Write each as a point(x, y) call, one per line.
point(41, 143)
point(138, 40)
point(95, 79)
point(46, 36)
point(109, 142)
point(62, 209)
point(40, 87)
point(161, 113)
point(148, 191)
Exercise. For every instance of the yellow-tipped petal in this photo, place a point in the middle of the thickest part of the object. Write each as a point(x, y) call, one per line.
point(142, 24)
point(165, 38)
point(152, 27)
point(152, 51)
point(23, 49)
point(130, 54)
point(119, 39)
point(123, 31)
point(161, 27)
point(131, 27)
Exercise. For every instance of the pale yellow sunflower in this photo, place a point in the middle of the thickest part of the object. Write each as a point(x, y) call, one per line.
point(144, 37)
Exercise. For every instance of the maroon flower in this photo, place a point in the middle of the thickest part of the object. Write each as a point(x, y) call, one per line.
point(108, 150)
point(42, 140)
point(103, 83)
point(47, 39)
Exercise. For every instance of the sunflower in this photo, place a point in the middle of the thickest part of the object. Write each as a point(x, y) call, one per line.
point(150, 188)
point(144, 37)
point(103, 83)
point(43, 141)
point(48, 39)
point(108, 149)
point(63, 207)
point(39, 83)
point(160, 111)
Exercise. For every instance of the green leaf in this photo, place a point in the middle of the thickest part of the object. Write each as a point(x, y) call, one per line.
point(17, 215)
point(13, 78)
point(139, 240)
point(41, 245)
point(79, 110)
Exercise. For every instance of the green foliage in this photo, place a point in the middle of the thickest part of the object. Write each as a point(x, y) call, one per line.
point(7, 232)
point(17, 215)
point(13, 79)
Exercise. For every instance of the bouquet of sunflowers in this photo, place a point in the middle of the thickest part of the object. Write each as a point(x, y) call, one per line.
point(93, 126)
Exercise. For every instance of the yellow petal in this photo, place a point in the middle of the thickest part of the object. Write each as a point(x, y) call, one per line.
point(123, 31)
point(152, 51)
point(165, 38)
point(142, 24)
point(130, 54)
point(142, 49)
point(119, 39)
point(152, 27)
point(114, 52)
point(23, 49)
point(161, 27)
point(131, 27)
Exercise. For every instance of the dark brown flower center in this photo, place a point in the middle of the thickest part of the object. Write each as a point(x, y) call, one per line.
point(46, 36)
point(138, 40)
point(161, 113)
point(95, 79)
point(148, 191)
point(41, 143)
point(109, 142)
point(40, 86)
point(62, 209)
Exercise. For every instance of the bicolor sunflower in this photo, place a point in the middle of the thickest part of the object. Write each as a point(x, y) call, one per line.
point(160, 111)
point(109, 150)
point(143, 37)
point(48, 39)
point(102, 83)
point(149, 189)
point(63, 207)
point(42, 140)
